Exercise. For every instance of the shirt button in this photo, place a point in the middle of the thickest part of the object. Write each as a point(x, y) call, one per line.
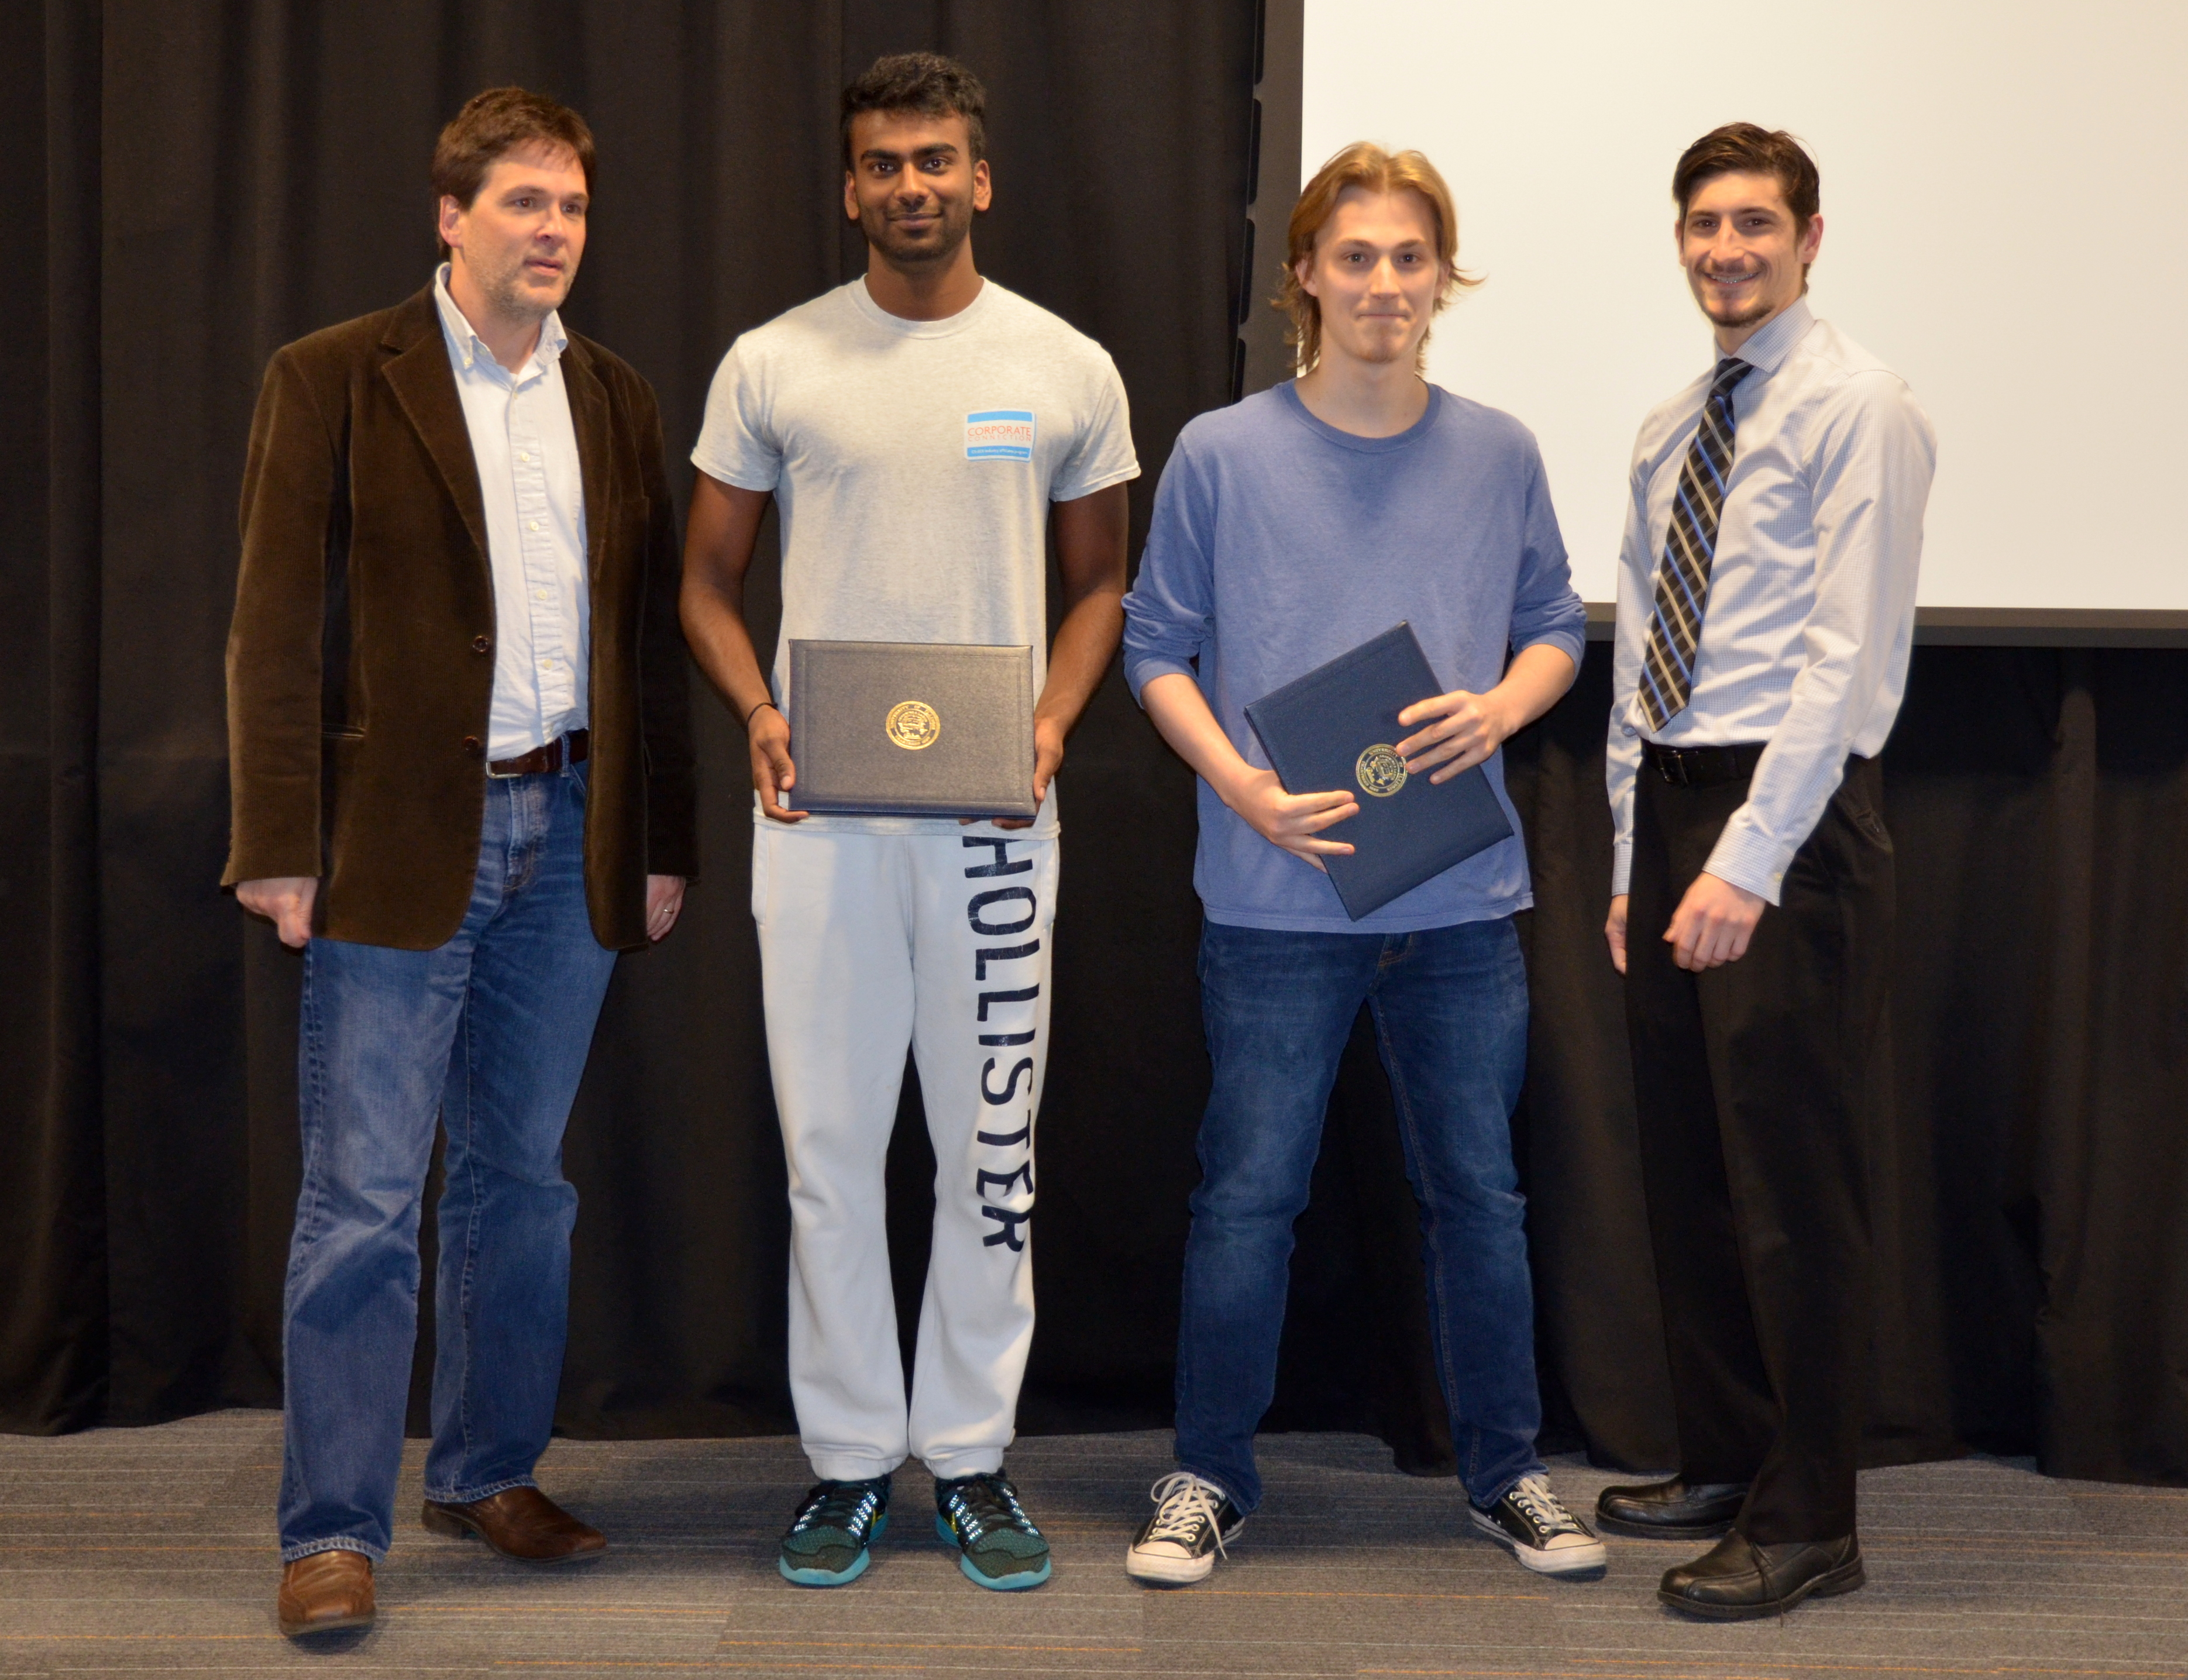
point(480, 643)
point(522, 456)
point(535, 525)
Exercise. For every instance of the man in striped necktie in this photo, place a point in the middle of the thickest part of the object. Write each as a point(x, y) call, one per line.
point(1765, 605)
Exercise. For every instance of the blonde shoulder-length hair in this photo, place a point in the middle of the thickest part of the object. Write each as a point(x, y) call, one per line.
point(1368, 167)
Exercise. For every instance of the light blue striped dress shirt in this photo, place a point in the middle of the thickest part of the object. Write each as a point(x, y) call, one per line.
point(1810, 610)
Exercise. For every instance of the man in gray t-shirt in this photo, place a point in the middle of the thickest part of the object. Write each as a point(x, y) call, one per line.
point(916, 429)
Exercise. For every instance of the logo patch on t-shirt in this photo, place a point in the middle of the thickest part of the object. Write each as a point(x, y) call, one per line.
point(999, 435)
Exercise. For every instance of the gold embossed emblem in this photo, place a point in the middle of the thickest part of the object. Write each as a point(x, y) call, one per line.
point(1381, 772)
point(913, 724)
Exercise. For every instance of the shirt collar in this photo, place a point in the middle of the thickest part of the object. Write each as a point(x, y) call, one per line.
point(468, 347)
point(1767, 351)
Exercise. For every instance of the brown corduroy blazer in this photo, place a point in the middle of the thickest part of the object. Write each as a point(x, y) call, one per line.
point(360, 662)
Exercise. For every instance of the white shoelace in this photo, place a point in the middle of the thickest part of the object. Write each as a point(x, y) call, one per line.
point(1183, 1501)
point(1532, 1495)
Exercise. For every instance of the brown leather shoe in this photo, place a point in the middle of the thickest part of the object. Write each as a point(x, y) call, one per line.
point(521, 1523)
point(325, 1591)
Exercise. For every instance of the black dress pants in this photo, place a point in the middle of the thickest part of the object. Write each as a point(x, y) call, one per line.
point(1753, 1084)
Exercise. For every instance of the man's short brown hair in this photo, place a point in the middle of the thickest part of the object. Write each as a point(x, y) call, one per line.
point(1367, 166)
point(926, 83)
point(1748, 148)
point(495, 123)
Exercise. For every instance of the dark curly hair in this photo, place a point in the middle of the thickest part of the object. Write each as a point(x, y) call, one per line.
point(926, 83)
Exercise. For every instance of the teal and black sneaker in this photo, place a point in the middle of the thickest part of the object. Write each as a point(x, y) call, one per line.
point(831, 1540)
point(997, 1544)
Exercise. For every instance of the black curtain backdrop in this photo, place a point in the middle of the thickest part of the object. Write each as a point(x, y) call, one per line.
point(194, 185)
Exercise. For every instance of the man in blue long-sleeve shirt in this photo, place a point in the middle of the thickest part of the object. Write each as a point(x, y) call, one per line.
point(1289, 529)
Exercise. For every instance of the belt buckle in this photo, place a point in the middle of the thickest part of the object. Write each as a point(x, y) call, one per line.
point(1672, 765)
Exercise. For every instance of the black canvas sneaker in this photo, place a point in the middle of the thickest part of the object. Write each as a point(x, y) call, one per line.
point(830, 1539)
point(1193, 1521)
point(997, 1545)
point(1544, 1535)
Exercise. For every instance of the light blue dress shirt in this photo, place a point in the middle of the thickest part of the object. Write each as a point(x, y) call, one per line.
point(526, 449)
point(1810, 610)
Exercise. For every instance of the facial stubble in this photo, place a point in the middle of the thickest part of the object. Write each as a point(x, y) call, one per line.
point(956, 218)
point(508, 296)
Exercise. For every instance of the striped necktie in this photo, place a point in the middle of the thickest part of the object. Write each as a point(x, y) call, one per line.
point(1683, 579)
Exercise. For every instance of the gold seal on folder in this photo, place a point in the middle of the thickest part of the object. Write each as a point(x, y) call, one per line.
point(914, 724)
point(1381, 772)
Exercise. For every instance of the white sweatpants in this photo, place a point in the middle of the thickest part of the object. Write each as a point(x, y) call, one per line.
point(869, 942)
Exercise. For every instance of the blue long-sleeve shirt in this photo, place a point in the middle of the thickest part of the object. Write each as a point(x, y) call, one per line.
point(1280, 542)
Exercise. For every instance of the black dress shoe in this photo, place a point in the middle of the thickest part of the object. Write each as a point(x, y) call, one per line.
point(1670, 1510)
point(1738, 1580)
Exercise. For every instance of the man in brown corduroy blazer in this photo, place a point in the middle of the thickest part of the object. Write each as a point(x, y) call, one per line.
point(462, 780)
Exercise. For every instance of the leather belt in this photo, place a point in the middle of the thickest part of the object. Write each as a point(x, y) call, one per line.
point(569, 748)
point(1704, 766)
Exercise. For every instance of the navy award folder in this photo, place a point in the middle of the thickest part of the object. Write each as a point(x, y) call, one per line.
point(1333, 728)
point(911, 729)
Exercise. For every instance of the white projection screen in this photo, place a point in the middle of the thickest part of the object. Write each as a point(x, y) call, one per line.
point(2003, 197)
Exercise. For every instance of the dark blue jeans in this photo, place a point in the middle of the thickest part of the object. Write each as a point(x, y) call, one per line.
point(487, 1034)
point(1450, 1008)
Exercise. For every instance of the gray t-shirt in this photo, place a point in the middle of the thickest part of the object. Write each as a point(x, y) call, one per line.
point(912, 463)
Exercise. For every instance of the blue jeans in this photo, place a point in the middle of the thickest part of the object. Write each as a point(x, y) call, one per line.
point(1450, 1008)
point(487, 1034)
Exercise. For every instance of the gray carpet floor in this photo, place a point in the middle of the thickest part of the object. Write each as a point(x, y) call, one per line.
point(152, 1551)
